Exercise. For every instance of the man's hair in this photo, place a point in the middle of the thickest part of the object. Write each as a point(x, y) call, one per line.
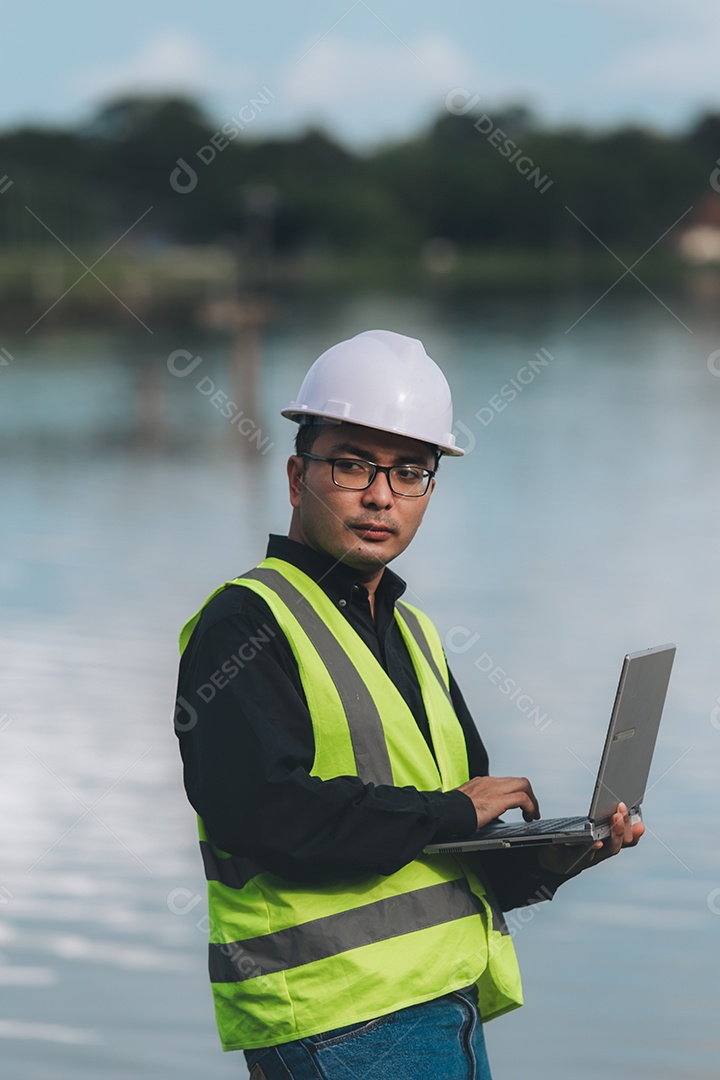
point(307, 434)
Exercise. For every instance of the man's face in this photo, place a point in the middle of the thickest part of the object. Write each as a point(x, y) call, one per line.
point(363, 529)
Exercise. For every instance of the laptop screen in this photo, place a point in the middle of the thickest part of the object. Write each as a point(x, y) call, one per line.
point(630, 741)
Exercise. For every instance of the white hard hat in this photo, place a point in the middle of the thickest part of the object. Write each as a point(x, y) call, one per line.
point(380, 380)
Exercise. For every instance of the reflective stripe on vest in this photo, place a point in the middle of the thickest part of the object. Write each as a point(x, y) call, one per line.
point(333, 934)
point(363, 719)
point(289, 960)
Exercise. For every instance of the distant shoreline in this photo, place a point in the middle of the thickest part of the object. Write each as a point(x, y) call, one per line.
point(206, 286)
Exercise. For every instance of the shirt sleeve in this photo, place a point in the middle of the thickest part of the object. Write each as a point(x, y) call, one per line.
point(248, 750)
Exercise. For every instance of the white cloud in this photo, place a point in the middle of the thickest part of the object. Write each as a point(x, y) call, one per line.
point(374, 84)
point(679, 57)
point(170, 62)
point(342, 70)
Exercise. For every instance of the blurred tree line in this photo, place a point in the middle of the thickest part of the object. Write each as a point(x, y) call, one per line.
point(450, 184)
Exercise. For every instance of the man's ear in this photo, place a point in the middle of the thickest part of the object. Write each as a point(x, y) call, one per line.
point(295, 471)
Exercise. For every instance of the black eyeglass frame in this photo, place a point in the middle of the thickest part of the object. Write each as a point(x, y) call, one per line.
point(387, 469)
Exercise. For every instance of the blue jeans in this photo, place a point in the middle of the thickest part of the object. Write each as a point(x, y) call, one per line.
point(438, 1040)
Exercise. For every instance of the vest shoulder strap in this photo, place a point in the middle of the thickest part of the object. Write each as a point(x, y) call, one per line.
point(428, 639)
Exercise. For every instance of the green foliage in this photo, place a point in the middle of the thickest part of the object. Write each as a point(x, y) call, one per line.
point(455, 182)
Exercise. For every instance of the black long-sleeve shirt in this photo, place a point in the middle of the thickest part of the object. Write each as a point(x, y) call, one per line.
point(247, 744)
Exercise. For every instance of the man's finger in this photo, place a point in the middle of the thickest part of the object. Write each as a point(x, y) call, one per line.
point(493, 795)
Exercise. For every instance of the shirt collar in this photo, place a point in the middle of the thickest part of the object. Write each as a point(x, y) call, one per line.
point(336, 579)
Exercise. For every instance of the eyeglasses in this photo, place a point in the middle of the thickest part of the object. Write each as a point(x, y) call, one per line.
point(411, 481)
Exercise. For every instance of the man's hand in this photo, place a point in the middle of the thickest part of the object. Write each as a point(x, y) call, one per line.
point(493, 795)
point(569, 858)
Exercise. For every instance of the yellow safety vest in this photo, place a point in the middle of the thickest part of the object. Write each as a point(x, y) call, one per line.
point(289, 960)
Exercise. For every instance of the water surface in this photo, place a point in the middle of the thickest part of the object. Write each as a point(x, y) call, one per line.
point(582, 523)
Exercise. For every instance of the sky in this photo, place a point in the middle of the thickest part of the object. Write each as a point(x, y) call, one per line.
point(366, 70)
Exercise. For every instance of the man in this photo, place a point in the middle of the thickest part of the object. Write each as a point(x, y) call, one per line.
point(328, 745)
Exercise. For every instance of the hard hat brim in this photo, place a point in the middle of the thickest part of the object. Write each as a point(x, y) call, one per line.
point(297, 413)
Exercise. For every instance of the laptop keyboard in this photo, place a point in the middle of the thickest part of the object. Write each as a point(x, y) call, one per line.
point(535, 828)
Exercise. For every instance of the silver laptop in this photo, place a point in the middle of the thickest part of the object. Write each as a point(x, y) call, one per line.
point(624, 767)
